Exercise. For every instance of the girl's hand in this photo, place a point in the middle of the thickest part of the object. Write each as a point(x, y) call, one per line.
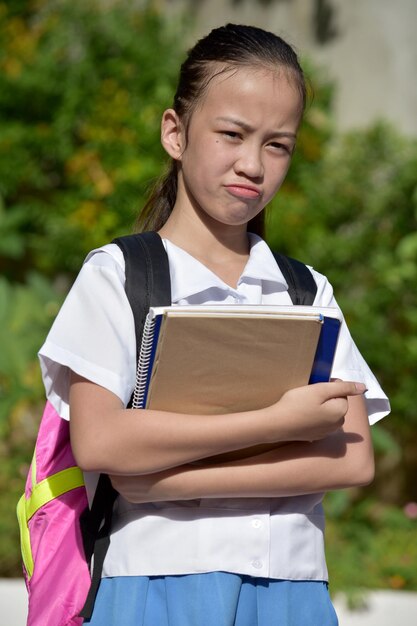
point(312, 412)
point(303, 414)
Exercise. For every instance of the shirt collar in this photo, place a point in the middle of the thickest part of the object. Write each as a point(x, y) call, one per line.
point(261, 263)
point(189, 276)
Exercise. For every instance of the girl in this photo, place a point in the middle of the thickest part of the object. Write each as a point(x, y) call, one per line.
point(212, 544)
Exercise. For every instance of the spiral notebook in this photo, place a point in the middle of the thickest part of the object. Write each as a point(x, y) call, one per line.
point(219, 359)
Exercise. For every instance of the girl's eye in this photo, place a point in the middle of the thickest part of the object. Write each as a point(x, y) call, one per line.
point(281, 147)
point(231, 134)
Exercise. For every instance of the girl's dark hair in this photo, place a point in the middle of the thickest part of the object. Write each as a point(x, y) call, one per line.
point(223, 49)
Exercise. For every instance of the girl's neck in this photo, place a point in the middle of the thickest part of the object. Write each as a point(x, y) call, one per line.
point(223, 249)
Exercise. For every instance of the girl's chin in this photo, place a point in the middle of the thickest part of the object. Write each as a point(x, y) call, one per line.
point(236, 215)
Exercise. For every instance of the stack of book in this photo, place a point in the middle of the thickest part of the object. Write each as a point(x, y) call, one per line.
point(218, 359)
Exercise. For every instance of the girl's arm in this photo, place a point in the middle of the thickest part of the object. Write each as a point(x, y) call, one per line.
point(108, 438)
point(342, 459)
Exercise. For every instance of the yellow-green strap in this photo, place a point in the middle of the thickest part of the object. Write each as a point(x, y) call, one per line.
point(24, 536)
point(53, 487)
point(42, 493)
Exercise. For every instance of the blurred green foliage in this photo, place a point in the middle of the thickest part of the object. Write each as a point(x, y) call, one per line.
point(370, 545)
point(81, 94)
point(82, 88)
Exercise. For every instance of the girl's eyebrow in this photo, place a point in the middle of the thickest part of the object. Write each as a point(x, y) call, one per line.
point(249, 128)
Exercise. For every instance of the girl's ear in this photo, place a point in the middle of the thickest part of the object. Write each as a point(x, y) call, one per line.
point(172, 134)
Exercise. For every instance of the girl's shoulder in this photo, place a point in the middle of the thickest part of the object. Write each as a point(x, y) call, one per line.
point(325, 295)
point(109, 255)
point(107, 259)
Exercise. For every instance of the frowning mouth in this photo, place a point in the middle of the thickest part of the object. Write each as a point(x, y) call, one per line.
point(243, 191)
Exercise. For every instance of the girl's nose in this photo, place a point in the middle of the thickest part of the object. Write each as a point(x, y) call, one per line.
point(250, 162)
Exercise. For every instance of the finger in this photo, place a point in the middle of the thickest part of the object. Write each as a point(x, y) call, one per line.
point(340, 388)
point(351, 388)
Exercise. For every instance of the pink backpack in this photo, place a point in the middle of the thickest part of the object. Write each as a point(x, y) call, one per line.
point(49, 512)
point(56, 551)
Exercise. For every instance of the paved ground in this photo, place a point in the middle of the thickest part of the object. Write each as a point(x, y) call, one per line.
point(382, 608)
point(13, 602)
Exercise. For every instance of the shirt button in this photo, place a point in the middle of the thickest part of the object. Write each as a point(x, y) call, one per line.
point(256, 523)
point(257, 564)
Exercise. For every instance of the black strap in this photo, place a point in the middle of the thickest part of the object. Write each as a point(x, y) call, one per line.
point(95, 529)
point(147, 284)
point(147, 275)
point(302, 287)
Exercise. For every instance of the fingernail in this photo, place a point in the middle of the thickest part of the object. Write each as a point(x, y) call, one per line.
point(361, 387)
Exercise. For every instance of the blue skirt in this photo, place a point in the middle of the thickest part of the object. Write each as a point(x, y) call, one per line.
point(212, 599)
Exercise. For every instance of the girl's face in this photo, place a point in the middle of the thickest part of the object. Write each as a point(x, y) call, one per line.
point(238, 146)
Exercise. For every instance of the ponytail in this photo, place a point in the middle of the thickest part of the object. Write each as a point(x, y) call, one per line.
point(160, 203)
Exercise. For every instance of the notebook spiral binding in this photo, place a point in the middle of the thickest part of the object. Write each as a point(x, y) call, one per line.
point(145, 353)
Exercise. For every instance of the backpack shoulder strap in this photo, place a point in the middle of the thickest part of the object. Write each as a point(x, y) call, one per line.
point(302, 287)
point(148, 280)
point(147, 284)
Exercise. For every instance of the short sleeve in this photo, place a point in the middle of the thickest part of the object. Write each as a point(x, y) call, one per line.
point(349, 364)
point(93, 333)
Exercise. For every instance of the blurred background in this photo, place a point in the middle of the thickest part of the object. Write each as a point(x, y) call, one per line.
point(83, 84)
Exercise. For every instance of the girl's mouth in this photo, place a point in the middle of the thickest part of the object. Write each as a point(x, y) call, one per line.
point(243, 191)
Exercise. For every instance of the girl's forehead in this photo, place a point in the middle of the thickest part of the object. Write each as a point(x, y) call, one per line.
point(256, 91)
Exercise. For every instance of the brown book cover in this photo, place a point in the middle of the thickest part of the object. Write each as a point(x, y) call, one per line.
point(212, 360)
point(222, 363)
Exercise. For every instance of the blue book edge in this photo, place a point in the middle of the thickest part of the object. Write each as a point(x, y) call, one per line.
point(326, 348)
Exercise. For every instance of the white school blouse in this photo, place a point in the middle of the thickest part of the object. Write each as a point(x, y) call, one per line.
point(94, 336)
